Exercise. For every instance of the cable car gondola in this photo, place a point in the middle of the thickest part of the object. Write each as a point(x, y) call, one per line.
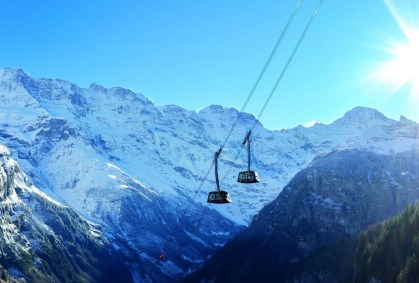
point(218, 196)
point(248, 176)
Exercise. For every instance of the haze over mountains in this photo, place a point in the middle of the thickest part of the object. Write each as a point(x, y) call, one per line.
point(134, 168)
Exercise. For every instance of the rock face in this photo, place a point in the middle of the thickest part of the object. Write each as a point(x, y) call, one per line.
point(324, 205)
point(42, 240)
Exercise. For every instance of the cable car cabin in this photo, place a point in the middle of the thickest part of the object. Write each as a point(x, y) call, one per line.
point(218, 197)
point(248, 177)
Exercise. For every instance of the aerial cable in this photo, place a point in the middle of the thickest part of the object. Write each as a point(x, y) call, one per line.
point(262, 72)
point(284, 69)
point(296, 47)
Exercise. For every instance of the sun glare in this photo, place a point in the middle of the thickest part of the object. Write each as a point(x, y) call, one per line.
point(402, 69)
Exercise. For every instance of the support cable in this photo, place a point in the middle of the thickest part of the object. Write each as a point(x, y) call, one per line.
point(261, 74)
point(284, 69)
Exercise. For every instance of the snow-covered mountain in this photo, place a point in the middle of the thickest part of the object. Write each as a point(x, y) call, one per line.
point(92, 150)
point(136, 168)
point(42, 240)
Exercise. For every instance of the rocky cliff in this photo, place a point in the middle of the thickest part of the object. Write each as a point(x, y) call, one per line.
point(42, 240)
point(307, 234)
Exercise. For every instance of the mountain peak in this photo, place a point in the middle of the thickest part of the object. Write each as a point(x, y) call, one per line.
point(361, 117)
point(213, 108)
point(97, 87)
point(406, 121)
point(231, 112)
point(365, 112)
point(12, 73)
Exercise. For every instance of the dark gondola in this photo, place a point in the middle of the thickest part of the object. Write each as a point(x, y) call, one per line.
point(248, 177)
point(218, 196)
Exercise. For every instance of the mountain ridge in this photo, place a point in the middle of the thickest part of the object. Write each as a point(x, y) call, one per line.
point(112, 152)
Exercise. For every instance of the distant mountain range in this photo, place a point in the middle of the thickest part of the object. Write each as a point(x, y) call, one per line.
point(134, 168)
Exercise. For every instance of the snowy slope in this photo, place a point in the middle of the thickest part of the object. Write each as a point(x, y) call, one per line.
point(168, 148)
point(110, 153)
point(74, 153)
point(42, 240)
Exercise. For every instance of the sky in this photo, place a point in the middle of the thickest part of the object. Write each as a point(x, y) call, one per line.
point(195, 53)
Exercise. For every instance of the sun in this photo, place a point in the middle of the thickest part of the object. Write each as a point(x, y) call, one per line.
point(402, 67)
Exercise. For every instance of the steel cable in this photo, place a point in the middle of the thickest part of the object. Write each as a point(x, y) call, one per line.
point(284, 69)
point(261, 74)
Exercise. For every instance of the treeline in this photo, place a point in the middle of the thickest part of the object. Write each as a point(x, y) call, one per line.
point(389, 252)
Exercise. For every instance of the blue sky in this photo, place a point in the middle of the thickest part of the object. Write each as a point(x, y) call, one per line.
point(198, 53)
